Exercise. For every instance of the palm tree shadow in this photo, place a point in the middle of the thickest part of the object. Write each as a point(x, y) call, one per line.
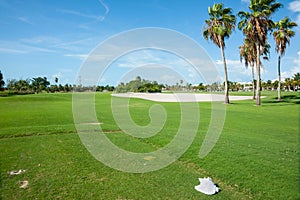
point(291, 98)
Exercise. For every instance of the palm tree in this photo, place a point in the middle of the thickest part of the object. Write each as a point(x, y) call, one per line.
point(219, 26)
point(256, 26)
point(296, 81)
point(288, 83)
point(282, 36)
point(296, 76)
point(247, 52)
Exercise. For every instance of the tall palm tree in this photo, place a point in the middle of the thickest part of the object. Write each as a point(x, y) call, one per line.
point(282, 36)
point(256, 26)
point(219, 26)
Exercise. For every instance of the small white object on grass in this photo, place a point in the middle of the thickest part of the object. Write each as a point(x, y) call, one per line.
point(16, 172)
point(207, 186)
point(24, 184)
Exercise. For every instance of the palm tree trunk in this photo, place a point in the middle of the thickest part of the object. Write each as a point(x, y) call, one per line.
point(226, 101)
point(253, 84)
point(258, 102)
point(279, 80)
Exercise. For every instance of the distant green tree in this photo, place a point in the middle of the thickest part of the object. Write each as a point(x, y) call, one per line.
point(60, 88)
point(296, 81)
point(19, 86)
point(269, 84)
point(288, 83)
point(53, 88)
point(2, 83)
point(39, 84)
point(275, 84)
point(109, 88)
point(137, 85)
point(201, 87)
point(11, 84)
point(150, 87)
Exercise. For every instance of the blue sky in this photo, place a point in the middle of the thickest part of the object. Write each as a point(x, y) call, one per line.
point(53, 38)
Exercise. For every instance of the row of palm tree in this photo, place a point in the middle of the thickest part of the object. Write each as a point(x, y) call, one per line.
point(256, 26)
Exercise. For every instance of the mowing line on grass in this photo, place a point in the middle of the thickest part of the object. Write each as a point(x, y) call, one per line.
point(51, 133)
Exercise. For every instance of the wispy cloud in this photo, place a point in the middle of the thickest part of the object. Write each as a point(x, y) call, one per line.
point(12, 51)
point(72, 48)
point(41, 40)
point(95, 17)
point(76, 45)
point(24, 20)
point(106, 8)
point(16, 47)
point(80, 56)
point(80, 14)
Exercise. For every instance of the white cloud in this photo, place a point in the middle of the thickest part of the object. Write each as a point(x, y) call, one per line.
point(236, 70)
point(80, 56)
point(290, 73)
point(229, 62)
point(295, 6)
point(139, 58)
point(296, 69)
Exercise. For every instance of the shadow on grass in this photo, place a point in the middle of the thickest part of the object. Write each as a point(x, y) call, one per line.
point(9, 94)
point(291, 98)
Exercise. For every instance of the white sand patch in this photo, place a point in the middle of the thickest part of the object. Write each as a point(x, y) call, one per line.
point(180, 97)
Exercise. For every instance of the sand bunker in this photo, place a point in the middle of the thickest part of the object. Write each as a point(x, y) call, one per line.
point(180, 97)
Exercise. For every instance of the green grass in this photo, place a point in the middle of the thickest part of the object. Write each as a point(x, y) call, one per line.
point(256, 156)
